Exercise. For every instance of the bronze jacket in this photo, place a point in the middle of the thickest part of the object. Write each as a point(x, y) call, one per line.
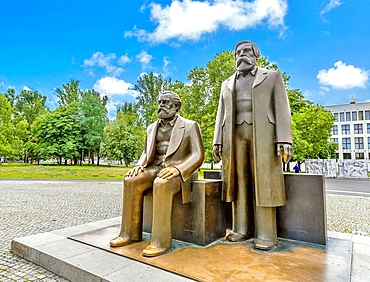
point(271, 125)
point(185, 151)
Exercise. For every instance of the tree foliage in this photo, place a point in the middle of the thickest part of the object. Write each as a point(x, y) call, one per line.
point(6, 143)
point(124, 137)
point(69, 93)
point(312, 126)
point(57, 134)
point(149, 86)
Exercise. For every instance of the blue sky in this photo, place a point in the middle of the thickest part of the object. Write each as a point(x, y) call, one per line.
point(323, 45)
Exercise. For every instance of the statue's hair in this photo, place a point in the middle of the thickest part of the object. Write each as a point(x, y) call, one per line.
point(176, 100)
point(255, 49)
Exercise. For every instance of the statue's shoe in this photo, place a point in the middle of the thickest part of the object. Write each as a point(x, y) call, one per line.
point(264, 245)
point(236, 237)
point(151, 251)
point(119, 242)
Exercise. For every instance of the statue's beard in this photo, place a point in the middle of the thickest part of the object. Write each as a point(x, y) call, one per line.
point(164, 113)
point(244, 64)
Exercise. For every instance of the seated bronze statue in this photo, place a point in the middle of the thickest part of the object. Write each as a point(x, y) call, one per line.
point(171, 158)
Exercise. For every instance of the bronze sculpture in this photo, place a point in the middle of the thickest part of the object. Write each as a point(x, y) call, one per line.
point(172, 156)
point(253, 123)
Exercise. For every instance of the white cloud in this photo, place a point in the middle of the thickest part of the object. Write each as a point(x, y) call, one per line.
point(26, 88)
point(113, 86)
point(108, 62)
point(165, 68)
point(188, 20)
point(343, 76)
point(2, 83)
point(324, 88)
point(123, 60)
point(330, 6)
point(144, 58)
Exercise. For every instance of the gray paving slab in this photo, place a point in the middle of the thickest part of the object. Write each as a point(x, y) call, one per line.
point(30, 207)
point(360, 263)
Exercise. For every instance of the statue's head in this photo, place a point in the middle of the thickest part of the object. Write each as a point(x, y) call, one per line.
point(169, 103)
point(247, 54)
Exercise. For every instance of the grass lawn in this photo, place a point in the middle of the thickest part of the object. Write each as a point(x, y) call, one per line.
point(53, 171)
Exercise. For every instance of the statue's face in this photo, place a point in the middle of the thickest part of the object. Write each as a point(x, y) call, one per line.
point(245, 58)
point(166, 109)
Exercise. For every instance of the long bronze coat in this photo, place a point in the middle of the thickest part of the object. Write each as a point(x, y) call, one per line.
point(271, 125)
point(185, 151)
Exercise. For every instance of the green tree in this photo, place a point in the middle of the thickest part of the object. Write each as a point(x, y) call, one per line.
point(30, 104)
point(69, 93)
point(149, 86)
point(57, 134)
point(94, 117)
point(6, 145)
point(13, 131)
point(123, 140)
point(312, 126)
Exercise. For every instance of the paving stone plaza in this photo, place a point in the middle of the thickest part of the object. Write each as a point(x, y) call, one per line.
point(32, 207)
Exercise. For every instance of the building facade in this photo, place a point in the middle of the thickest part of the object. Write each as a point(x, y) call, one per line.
point(351, 130)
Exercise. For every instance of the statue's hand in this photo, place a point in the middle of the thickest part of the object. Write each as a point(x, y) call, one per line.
point(288, 151)
point(217, 152)
point(134, 171)
point(168, 173)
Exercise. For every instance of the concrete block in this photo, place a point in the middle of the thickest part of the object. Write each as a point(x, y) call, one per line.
point(360, 263)
point(202, 221)
point(87, 227)
point(303, 217)
point(93, 266)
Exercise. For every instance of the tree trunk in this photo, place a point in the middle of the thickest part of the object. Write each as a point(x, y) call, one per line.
point(98, 161)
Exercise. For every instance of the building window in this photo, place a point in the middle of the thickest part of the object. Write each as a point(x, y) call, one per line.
point(368, 143)
point(334, 130)
point(348, 116)
point(359, 142)
point(346, 156)
point(336, 116)
point(345, 129)
point(368, 128)
point(360, 115)
point(341, 115)
point(367, 115)
point(359, 156)
point(334, 140)
point(354, 116)
point(358, 129)
point(346, 143)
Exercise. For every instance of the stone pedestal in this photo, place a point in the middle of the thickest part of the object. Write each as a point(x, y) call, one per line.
point(202, 221)
point(303, 217)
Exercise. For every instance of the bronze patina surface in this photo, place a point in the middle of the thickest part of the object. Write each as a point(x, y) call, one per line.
point(253, 126)
point(225, 261)
point(168, 165)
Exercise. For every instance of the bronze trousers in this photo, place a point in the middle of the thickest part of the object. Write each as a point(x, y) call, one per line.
point(249, 219)
point(132, 211)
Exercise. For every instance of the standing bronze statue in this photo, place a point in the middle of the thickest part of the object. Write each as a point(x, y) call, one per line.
point(253, 125)
point(170, 161)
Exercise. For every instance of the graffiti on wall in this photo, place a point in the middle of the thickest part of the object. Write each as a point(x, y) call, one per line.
point(342, 168)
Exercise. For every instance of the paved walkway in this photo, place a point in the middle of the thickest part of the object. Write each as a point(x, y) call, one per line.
point(28, 208)
point(32, 207)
